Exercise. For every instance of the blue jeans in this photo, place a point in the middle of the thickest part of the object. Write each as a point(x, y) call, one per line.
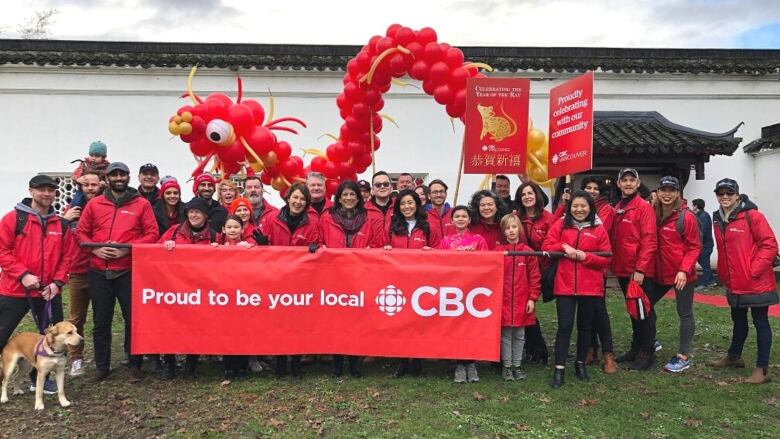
point(739, 333)
point(706, 270)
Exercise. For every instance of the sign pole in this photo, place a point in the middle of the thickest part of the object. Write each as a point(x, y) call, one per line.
point(460, 168)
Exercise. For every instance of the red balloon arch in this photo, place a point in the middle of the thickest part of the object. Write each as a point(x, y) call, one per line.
point(238, 137)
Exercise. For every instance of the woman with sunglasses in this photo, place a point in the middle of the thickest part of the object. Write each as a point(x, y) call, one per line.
point(747, 249)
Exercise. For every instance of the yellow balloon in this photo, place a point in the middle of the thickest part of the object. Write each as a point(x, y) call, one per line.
point(173, 128)
point(257, 166)
point(177, 118)
point(536, 139)
point(541, 154)
point(278, 183)
point(185, 128)
point(186, 116)
point(537, 175)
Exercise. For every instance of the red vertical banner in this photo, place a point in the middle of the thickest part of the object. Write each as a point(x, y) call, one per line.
point(496, 120)
point(571, 127)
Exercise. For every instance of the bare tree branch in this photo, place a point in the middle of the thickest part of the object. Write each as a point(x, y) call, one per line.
point(37, 26)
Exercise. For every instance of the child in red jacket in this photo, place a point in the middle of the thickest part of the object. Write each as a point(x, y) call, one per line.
point(522, 285)
point(95, 162)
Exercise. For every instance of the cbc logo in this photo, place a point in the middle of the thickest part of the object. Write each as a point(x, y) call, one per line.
point(390, 300)
point(452, 301)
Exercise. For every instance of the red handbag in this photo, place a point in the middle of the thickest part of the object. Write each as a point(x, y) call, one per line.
point(637, 302)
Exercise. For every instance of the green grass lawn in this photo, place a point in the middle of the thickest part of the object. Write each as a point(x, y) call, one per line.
point(699, 403)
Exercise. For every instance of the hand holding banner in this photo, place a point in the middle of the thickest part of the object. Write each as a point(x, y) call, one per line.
point(285, 300)
point(571, 127)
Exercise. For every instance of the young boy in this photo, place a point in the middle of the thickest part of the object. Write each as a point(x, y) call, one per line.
point(95, 162)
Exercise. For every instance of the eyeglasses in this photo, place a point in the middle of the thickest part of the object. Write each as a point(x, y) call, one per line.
point(438, 192)
point(726, 194)
point(382, 184)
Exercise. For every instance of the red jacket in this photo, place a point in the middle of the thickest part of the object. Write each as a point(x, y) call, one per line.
point(79, 258)
point(268, 210)
point(182, 234)
point(443, 223)
point(279, 234)
point(313, 211)
point(128, 220)
point(634, 239)
point(416, 239)
point(491, 233)
point(522, 282)
point(605, 211)
point(371, 234)
point(41, 250)
point(369, 205)
point(536, 228)
point(579, 278)
point(677, 252)
point(745, 250)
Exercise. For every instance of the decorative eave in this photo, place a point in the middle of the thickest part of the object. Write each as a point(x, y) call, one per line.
point(770, 139)
point(335, 57)
point(648, 133)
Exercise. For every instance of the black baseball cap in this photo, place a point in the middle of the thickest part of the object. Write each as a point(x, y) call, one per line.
point(363, 184)
point(727, 184)
point(149, 167)
point(42, 180)
point(669, 181)
point(117, 166)
point(628, 171)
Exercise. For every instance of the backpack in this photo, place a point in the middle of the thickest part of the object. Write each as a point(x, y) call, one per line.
point(776, 260)
point(21, 221)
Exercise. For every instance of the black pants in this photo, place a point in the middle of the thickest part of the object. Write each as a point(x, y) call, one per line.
point(13, 310)
point(567, 306)
point(535, 345)
point(235, 362)
point(104, 294)
point(740, 332)
point(644, 331)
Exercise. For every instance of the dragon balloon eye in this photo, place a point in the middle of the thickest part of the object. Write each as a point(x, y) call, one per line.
point(220, 132)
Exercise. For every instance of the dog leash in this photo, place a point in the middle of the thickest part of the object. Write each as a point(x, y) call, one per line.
point(46, 318)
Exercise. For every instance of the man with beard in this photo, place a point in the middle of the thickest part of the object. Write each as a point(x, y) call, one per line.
point(204, 187)
point(253, 190)
point(149, 176)
point(78, 287)
point(36, 250)
point(315, 183)
point(120, 215)
point(502, 189)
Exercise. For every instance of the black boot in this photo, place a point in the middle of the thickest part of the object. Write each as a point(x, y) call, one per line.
point(354, 369)
point(581, 371)
point(403, 367)
point(337, 366)
point(644, 361)
point(281, 366)
point(415, 367)
point(628, 357)
point(295, 366)
point(190, 367)
point(169, 368)
point(557, 380)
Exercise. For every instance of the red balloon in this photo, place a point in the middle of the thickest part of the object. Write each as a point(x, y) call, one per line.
point(363, 61)
point(371, 97)
point(201, 147)
point(420, 70)
point(200, 110)
point(353, 92)
point(454, 57)
point(460, 97)
point(433, 53)
point(445, 47)
point(458, 78)
point(289, 168)
point(377, 119)
point(353, 68)
point(428, 87)
point(440, 73)
point(417, 49)
point(331, 186)
point(393, 29)
point(345, 134)
point(365, 139)
point(232, 154)
point(261, 140)
point(183, 109)
point(241, 117)
point(360, 110)
point(337, 152)
point(215, 110)
point(443, 94)
point(331, 171)
point(273, 171)
point(229, 169)
point(455, 109)
point(355, 148)
point(380, 104)
point(283, 151)
point(258, 112)
point(384, 44)
point(426, 35)
point(404, 36)
point(363, 160)
point(480, 75)
point(318, 164)
point(198, 126)
point(342, 102)
point(220, 98)
point(370, 48)
point(397, 65)
point(265, 178)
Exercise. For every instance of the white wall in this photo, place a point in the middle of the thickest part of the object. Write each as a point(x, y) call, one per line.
point(767, 167)
point(49, 115)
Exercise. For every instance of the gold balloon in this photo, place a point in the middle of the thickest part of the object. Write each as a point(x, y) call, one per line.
point(173, 128)
point(536, 139)
point(185, 128)
point(270, 159)
point(186, 116)
point(278, 183)
point(541, 154)
point(257, 166)
point(177, 118)
point(537, 175)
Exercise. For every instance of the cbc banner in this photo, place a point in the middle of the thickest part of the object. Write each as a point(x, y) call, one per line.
point(286, 300)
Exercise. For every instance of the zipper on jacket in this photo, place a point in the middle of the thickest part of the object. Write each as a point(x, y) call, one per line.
point(111, 227)
point(512, 302)
point(44, 231)
point(577, 246)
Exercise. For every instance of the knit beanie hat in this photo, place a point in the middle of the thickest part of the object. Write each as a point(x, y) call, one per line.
point(200, 179)
point(238, 202)
point(98, 148)
point(169, 183)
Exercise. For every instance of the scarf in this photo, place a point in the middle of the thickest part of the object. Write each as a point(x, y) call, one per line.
point(350, 225)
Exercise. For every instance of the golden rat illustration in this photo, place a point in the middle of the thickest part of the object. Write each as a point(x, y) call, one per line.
point(498, 127)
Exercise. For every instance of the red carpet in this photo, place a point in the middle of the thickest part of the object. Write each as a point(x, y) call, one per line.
point(720, 302)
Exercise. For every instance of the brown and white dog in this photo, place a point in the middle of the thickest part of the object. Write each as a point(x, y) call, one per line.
point(44, 352)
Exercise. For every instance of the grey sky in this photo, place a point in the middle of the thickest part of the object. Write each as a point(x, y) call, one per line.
point(614, 23)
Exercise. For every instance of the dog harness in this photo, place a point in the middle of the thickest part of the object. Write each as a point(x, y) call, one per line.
point(40, 350)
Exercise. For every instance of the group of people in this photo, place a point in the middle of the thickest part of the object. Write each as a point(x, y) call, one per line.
point(653, 244)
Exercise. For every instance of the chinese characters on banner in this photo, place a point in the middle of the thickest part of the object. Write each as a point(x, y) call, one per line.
point(496, 120)
point(571, 127)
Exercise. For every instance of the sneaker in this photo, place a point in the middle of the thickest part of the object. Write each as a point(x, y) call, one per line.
point(460, 374)
point(471, 373)
point(677, 364)
point(507, 374)
point(658, 346)
point(702, 288)
point(49, 387)
point(77, 368)
point(519, 374)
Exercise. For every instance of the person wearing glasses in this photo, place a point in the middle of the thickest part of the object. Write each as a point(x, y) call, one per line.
point(747, 250)
point(439, 210)
point(381, 202)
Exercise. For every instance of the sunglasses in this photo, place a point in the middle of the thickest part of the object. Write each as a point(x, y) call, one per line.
point(726, 193)
point(382, 184)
